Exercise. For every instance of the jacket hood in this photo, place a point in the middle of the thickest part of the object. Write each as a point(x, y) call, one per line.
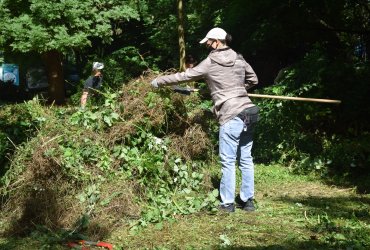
point(225, 57)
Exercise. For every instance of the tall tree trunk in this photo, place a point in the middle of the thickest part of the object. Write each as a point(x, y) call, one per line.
point(180, 29)
point(367, 47)
point(54, 68)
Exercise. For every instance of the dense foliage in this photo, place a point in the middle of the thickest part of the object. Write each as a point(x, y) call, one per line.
point(40, 26)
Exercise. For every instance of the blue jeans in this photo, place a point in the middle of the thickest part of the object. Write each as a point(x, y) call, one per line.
point(236, 145)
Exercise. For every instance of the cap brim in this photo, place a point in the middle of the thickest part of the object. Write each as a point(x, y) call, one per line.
point(204, 40)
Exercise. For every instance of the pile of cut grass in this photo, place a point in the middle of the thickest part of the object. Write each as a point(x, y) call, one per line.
point(66, 170)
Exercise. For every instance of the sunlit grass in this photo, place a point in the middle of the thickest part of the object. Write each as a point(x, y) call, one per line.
point(294, 212)
point(287, 218)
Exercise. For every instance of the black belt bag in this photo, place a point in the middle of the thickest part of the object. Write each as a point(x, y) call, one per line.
point(249, 116)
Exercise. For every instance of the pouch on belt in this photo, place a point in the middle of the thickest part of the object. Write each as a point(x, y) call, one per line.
point(249, 116)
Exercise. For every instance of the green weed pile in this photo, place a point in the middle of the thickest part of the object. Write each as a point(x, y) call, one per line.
point(124, 160)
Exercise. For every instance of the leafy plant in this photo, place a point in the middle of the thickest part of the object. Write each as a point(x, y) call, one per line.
point(96, 118)
point(225, 241)
point(124, 64)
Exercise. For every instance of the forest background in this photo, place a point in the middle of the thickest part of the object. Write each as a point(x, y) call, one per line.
point(138, 137)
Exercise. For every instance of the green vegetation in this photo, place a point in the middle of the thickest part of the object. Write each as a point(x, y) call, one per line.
point(64, 26)
point(139, 167)
point(294, 212)
point(133, 170)
point(122, 159)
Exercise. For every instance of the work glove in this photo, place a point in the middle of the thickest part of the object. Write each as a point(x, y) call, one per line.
point(154, 83)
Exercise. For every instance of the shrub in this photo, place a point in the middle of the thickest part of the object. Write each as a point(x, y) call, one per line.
point(313, 136)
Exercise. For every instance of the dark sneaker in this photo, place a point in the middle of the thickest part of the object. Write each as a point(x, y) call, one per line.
point(229, 208)
point(249, 205)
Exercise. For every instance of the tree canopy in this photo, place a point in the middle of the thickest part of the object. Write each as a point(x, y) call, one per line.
point(273, 37)
point(65, 25)
point(40, 25)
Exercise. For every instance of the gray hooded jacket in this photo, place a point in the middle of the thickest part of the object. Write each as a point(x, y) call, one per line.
point(228, 77)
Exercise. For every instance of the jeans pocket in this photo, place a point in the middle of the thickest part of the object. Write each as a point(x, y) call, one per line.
point(233, 128)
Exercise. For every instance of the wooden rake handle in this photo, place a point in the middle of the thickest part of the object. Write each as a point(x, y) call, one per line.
point(296, 98)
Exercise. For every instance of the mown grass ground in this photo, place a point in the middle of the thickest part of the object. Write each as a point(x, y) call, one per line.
point(294, 212)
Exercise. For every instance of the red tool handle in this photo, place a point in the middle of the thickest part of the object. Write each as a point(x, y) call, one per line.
point(105, 244)
point(85, 243)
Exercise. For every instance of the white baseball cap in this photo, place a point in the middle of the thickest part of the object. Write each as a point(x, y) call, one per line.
point(215, 33)
point(97, 65)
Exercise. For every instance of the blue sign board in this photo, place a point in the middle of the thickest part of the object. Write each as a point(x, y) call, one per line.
point(10, 74)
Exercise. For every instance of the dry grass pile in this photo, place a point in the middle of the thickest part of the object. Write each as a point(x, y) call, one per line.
point(44, 194)
point(163, 111)
point(194, 144)
point(135, 111)
point(39, 194)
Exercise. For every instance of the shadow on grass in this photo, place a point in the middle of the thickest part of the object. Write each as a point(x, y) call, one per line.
point(39, 208)
point(335, 207)
point(340, 220)
point(41, 226)
point(359, 178)
point(289, 245)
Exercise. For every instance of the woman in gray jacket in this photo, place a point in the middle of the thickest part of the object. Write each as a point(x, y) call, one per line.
point(228, 77)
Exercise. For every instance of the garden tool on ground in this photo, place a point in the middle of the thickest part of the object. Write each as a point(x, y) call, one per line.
point(87, 245)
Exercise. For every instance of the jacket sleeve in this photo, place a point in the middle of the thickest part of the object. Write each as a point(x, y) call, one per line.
point(88, 83)
point(191, 74)
point(251, 79)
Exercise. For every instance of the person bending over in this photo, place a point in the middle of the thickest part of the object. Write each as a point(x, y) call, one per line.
point(93, 82)
point(228, 77)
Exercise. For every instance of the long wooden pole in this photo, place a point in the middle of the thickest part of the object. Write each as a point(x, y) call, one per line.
point(295, 98)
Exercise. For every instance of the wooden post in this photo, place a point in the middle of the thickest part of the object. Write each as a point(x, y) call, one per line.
point(53, 62)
